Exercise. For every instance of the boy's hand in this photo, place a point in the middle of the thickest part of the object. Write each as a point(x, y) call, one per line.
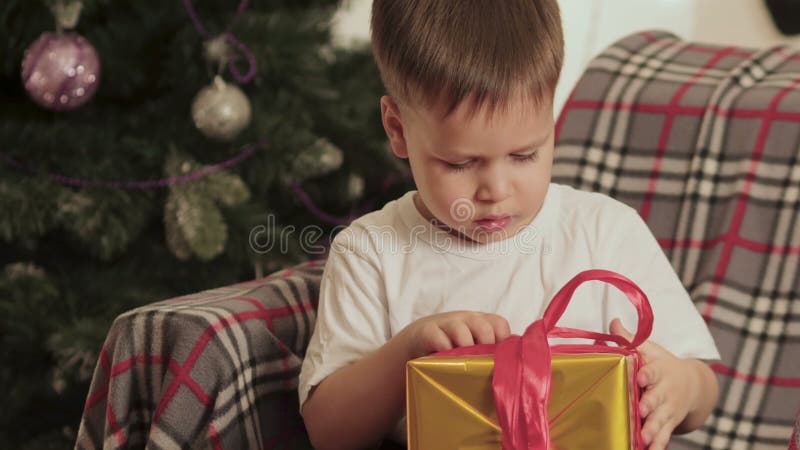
point(670, 390)
point(453, 329)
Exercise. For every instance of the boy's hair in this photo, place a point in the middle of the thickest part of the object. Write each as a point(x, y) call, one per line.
point(433, 51)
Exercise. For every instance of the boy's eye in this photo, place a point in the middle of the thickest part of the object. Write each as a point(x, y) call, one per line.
point(517, 157)
point(459, 165)
point(532, 156)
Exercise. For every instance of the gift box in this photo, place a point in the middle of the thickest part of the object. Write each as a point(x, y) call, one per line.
point(523, 394)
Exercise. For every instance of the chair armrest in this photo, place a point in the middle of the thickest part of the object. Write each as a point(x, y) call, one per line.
point(213, 369)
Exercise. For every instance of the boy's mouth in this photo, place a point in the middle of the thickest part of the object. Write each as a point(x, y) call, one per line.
point(493, 224)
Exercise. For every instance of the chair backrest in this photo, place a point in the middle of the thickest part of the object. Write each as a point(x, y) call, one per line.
point(703, 141)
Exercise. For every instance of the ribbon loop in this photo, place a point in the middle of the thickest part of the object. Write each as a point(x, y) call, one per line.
point(635, 295)
point(562, 332)
point(521, 379)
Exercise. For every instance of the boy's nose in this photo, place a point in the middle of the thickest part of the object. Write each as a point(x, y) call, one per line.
point(494, 186)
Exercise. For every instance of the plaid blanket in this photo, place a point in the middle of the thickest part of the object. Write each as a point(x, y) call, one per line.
point(702, 140)
point(795, 436)
point(214, 370)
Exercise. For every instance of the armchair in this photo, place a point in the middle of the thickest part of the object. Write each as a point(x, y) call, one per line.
point(703, 140)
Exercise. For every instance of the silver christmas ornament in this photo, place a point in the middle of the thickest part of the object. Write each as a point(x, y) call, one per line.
point(221, 110)
point(355, 187)
point(318, 159)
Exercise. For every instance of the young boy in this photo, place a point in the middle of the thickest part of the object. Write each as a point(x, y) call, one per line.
point(486, 241)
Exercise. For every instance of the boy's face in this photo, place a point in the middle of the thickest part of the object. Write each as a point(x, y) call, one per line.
point(483, 177)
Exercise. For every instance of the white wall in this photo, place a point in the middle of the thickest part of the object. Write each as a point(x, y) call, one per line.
point(591, 25)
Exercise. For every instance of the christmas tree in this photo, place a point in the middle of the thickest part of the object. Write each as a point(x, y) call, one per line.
point(137, 192)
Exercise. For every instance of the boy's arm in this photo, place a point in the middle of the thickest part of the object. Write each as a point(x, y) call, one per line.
point(679, 393)
point(360, 403)
point(705, 400)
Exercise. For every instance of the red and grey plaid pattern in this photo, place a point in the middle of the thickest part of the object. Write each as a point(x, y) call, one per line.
point(214, 370)
point(704, 141)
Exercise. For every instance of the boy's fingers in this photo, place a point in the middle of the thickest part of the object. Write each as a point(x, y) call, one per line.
point(500, 325)
point(653, 426)
point(649, 375)
point(661, 440)
point(649, 402)
point(618, 329)
point(459, 333)
point(647, 349)
point(652, 352)
point(482, 331)
point(438, 340)
point(658, 429)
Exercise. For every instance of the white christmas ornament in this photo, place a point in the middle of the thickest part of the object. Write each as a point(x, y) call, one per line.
point(221, 110)
point(355, 187)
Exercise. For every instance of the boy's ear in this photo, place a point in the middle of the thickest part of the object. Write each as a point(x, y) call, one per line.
point(393, 124)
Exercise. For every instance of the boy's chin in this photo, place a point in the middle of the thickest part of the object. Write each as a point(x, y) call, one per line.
point(482, 235)
point(477, 233)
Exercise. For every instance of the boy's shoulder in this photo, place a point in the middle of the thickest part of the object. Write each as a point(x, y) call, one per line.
point(597, 220)
point(383, 223)
point(585, 207)
point(389, 216)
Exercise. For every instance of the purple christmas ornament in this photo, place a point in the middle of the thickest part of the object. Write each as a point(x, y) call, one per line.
point(61, 71)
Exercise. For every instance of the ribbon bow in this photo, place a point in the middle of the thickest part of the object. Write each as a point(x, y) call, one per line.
point(521, 379)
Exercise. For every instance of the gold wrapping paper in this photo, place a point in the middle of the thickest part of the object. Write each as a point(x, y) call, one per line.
point(451, 406)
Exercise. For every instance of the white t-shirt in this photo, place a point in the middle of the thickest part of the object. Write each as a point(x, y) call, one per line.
point(392, 267)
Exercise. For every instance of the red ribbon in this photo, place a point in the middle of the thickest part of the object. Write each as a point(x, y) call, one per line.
point(521, 380)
